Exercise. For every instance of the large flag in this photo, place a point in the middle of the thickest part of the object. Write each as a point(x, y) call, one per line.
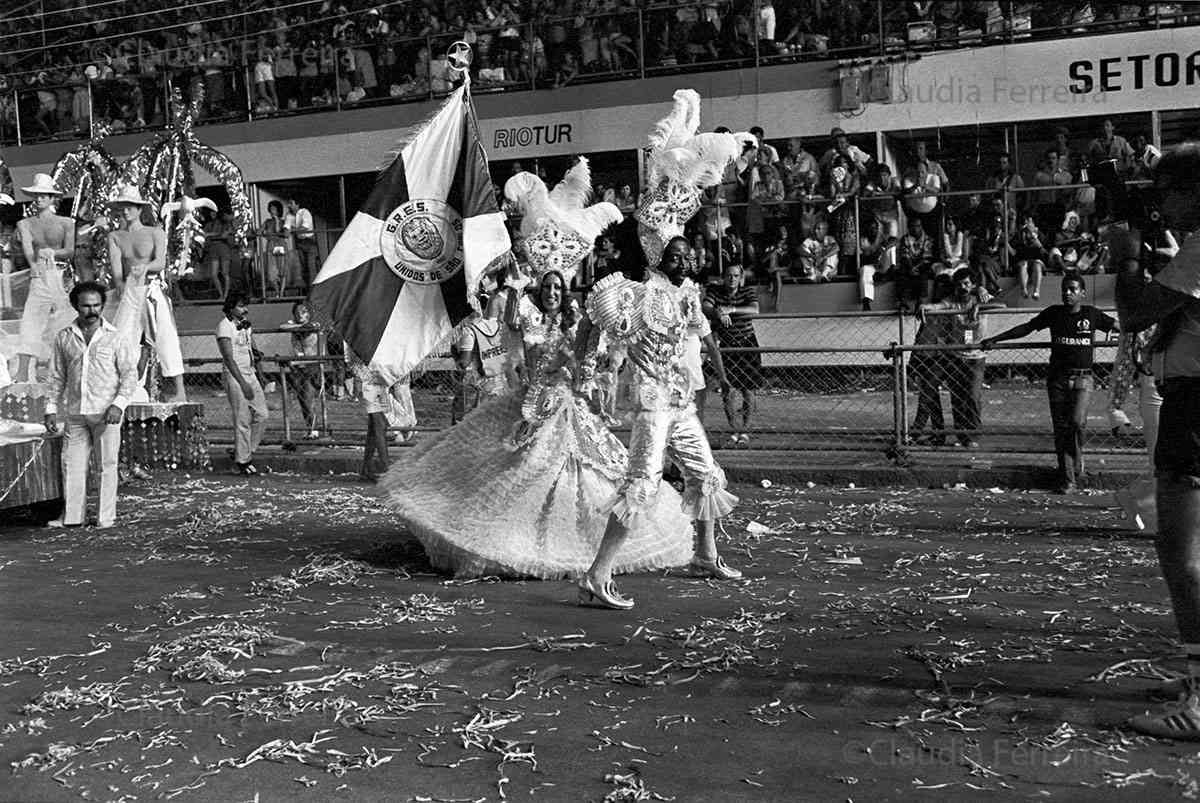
point(402, 274)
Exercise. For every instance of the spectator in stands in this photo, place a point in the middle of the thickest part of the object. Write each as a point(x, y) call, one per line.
point(876, 250)
point(914, 265)
point(818, 254)
point(766, 26)
point(1074, 250)
point(274, 235)
point(964, 368)
point(842, 189)
point(991, 248)
point(855, 156)
point(1067, 160)
point(956, 247)
point(265, 98)
point(924, 182)
point(1045, 201)
point(1110, 145)
point(800, 170)
point(776, 257)
point(1031, 255)
point(218, 251)
point(626, 201)
point(1005, 180)
point(299, 224)
point(703, 39)
point(1072, 326)
point(764, 188)
point(731, 307)
point(1145, 157)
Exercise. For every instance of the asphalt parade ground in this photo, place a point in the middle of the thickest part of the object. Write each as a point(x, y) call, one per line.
point(281, 639)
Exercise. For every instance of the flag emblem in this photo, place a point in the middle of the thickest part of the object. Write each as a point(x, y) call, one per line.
point(421, 241)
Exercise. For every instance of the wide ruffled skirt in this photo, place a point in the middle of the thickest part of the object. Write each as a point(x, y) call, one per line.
point(481, 505)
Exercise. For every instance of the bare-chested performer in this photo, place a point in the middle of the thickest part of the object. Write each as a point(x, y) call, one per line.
point(133, 244)
point(48, 240)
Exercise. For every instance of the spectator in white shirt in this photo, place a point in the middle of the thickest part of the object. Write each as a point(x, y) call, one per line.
point(247, 402)
point(299, 221)
point(93, 374)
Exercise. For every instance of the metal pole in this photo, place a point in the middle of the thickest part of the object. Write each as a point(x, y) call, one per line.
point(903, 386)
point(322, 393)
point(754, 26)
point(17, 109)
point(91, 111)
point(641, 43)
point(429, 64)
point(282, 362)
point(897, 413)
point(882, 32)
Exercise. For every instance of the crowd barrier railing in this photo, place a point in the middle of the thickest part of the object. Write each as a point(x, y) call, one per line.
point(823, 383)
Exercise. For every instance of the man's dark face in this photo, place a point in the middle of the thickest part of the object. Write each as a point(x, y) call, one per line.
point(921, 150)
point(89, 306)
point(964, 287)
point(673, 264)
point(1004, 164)
point(1072, 293)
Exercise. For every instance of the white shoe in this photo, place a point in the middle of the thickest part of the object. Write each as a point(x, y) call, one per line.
point(1129, 506)
point(1117, 418)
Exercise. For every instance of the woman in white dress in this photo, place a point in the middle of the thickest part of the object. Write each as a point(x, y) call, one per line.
point(523, 486)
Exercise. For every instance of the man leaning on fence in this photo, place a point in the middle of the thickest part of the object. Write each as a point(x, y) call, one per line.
point(964, 367)
point(1172, 301)
point(1072, 326)
point(93, 374)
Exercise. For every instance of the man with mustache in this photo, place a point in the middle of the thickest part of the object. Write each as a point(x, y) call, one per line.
point(93, 374)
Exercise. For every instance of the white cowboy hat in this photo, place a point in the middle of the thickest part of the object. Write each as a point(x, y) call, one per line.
point(129, 195)
point(43, 184)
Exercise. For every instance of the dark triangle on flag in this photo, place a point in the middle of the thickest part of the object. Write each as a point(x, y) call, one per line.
point(359, 304)
point(390, 190)
point(471, 193)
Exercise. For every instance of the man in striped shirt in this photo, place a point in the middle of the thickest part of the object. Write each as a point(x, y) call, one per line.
point(93, 373)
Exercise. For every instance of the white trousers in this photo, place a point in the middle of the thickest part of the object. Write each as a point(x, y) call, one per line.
point(866, 273)
point(84, 433)
point(1142, 490)
point(47, 311)
point(158, 327)
point(249, 417)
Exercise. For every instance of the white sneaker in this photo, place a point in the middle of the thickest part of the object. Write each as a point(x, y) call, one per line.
point(1117, 418)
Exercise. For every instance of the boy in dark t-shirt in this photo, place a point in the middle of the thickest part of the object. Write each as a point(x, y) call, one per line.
point(1072, 326)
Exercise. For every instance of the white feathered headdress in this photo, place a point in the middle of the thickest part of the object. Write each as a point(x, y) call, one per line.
point(681, 164)
point(558, 225)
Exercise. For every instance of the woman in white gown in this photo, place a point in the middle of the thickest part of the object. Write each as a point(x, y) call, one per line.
point(523, 486)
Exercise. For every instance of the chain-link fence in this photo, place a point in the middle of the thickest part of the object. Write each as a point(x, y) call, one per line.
point(820, 383)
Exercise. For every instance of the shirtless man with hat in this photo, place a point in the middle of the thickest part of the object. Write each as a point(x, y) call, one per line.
point(48, 240)
point(135, 244)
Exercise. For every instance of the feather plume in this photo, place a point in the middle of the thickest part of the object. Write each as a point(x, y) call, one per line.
point(680, 125)
point(575, 189)
point(591, 222)
point(528, 194)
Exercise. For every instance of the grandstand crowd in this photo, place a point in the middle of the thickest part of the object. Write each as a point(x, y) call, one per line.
point(65, 63)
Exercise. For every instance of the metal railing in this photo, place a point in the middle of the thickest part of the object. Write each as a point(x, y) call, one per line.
point(818, 382)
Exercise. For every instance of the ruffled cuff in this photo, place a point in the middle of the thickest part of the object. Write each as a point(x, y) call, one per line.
point(635, 502)
point(700, 506)
point(708, 500)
